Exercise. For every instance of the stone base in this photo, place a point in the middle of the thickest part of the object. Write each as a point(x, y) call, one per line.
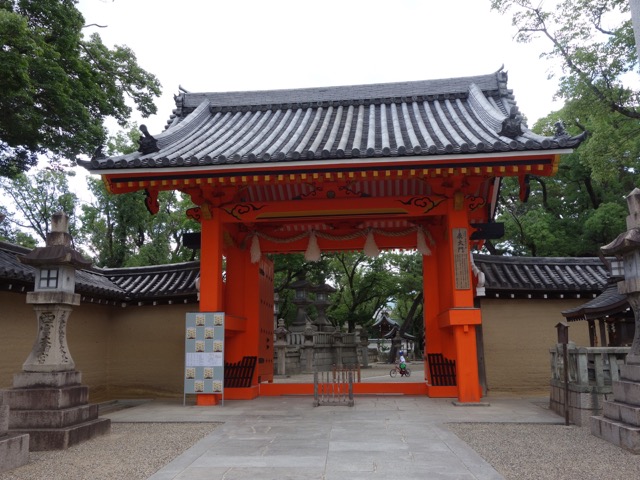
point(45, 398)
point(584, 402)
point(42, 380)
point(65, 437)
point(620, 422)
point(56, 416)
point(14, 448)
point(14, 451)
point(620, 434)
point(48, 419)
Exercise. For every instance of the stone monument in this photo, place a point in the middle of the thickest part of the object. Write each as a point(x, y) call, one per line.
point(620, 422)
point(47, 400)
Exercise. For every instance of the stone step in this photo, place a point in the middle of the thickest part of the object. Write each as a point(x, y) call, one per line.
point(63, 438)
point(626, 391)
point(45, 398)
point(46, 379)
point(52, 418)
point(622, 412)
point(4, 419)
point(620, 434)
point(14, 451)
point(630, 372)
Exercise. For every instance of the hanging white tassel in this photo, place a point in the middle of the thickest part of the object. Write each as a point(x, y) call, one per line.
point(313, 250)
point(255, 249)
point(421, 243)
point(370, 248)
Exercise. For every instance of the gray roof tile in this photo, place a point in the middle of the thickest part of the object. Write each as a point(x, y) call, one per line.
point(609, 302)
point(504, 276)
point(434, 117)
point(552, 276)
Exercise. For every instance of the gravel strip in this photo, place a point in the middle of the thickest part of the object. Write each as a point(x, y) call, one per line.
point(132, 451)
point(547, 452)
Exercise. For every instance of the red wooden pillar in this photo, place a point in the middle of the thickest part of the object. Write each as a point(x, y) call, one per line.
point(211, 299)
point(211, 290)
point(461, 316)
point(450, 316)
point(242, 295)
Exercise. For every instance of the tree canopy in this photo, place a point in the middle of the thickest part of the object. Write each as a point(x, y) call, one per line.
point(57, 87)
point(582, 207)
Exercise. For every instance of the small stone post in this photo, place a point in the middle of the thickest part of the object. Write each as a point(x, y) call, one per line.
point(309, 347)
point(620, 422)
point(281, 347)
point(47, 400)
point(337, 345)
point(363, 339)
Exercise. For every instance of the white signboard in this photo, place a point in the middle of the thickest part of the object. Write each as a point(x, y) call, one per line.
point(204, 353)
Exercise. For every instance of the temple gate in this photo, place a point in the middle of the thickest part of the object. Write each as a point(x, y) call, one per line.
point(403, 165)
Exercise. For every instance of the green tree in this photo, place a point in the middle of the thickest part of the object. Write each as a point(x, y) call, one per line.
point(120, 230)
point(57, 87)
point(34, 199)
point(122, 233)
point(582, 207)
point(365, 286)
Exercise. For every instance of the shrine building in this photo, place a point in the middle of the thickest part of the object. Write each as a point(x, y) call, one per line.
point(408, 165)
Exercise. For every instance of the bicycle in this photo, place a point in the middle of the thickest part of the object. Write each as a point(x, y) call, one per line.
point(395, 370)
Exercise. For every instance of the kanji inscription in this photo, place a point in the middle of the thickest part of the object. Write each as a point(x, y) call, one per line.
point(461, 258)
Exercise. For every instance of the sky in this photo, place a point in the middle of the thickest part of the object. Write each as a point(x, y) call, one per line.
point(209, 45)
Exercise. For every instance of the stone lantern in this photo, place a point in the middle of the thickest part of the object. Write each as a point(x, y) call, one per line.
point(47, 399)
point(620, 422)
point(321, 303)
point(53, 299)
point(301, 301)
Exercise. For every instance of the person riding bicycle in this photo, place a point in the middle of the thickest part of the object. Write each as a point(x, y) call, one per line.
point(402, 364)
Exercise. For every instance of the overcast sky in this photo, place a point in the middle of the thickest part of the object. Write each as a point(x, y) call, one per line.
point(209, 45)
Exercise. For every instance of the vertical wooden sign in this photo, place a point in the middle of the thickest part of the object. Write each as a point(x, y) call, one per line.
point(461, 258)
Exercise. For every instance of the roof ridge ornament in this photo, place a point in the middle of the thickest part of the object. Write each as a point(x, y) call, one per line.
point(512, 125)
point(147, 143)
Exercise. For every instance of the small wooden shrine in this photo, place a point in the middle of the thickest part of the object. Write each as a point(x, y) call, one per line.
point(412, 165)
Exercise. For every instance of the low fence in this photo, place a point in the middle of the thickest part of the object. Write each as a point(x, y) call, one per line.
point(591, 373)
point(335, 386)
point(300, 352)
point(588, 366)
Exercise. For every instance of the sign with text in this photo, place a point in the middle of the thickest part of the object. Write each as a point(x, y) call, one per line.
point(204, 353)
point(461, 258)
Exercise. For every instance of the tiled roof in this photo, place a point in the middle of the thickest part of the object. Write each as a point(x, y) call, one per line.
point(165, 283)
point(504, 277)
point(14, 274)
point(609, 302)
point(550, 276)
point(90, 283)
point(420, 118)
point(160, 283)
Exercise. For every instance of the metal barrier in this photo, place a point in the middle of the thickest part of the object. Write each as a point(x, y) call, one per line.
point(335, 386)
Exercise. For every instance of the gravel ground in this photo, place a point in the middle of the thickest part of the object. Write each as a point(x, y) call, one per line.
point(133, 451)
point(553, 452)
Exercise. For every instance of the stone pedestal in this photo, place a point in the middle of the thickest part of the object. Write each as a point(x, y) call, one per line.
point(14, 447)
point(47, 400)
point(585, 401)
point(620, 419)
point(620, 422)
point(53, 409)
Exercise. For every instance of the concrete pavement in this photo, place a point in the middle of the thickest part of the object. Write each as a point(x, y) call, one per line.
point(391, 437)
